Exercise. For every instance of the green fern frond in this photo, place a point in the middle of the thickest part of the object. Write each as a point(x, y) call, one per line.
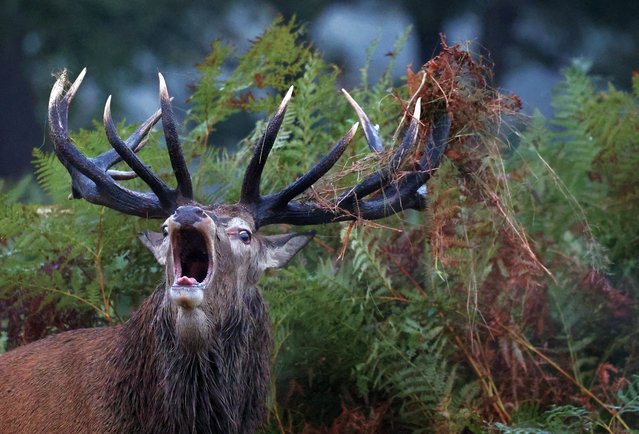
point(629, 397)
point(366, 260)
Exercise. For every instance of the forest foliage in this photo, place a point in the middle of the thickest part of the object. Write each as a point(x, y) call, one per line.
point(509, 305)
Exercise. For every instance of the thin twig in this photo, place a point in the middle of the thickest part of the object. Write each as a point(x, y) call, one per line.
point(410, 102)
point(530, 347)
point(74, 296)
point(345, 244)
point(485, 379)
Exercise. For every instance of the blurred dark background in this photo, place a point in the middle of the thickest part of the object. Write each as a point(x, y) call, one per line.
point(124, 43)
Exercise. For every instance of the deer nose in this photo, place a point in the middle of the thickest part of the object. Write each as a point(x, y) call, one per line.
point(188, 215)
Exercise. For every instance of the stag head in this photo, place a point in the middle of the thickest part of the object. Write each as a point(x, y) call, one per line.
point(213, 257)
point(213, 254)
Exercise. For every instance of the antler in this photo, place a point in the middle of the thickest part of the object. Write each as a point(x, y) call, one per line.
point(393, 194)
point(379, 195)
point(91, 177)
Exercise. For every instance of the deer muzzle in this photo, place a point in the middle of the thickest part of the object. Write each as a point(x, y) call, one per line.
point(191, 268)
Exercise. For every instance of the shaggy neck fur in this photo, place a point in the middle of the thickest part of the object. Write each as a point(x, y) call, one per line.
point(219, 385)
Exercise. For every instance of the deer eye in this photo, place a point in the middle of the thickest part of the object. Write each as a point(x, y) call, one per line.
point(165, 230)
point(244, 236)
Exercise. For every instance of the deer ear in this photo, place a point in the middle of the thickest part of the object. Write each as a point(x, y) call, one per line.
point(154, 241)
point(278, 250)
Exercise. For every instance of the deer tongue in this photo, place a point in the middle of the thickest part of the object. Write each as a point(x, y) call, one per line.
point(186, 281)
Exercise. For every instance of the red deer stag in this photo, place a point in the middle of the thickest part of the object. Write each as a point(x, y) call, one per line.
point(195, 356)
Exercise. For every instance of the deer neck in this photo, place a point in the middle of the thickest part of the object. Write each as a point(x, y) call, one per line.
point(219, 386)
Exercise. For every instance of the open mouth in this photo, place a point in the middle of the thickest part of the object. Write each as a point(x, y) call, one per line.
point(191, 257)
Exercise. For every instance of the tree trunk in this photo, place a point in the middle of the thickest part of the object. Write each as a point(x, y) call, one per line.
point(19, 130)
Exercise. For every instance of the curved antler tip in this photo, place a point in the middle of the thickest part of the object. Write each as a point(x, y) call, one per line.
point(418, 109)
point(350, 100)
point(56, 98)
point(75, 86)
point(289, 94)
point(351, 133)
point(109, 125)
point(78, 80)
point(285, 100)
point(353, 129)
point(57, 89)
point(107, 110)
point(164, 92)
point(360, 112)
point(370, 131)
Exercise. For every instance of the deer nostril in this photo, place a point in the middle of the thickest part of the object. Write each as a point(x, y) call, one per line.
point(189, 215)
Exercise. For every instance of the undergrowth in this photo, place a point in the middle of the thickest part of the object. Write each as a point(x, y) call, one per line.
point(508, 306)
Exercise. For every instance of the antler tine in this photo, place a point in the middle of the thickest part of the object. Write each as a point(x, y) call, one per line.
point(68, 97)
point(251, 184)
point(312, 176)
point(127, 152)
point(181, 171)
point(135, 142)
point(370, 131)
point(59, 105)
point(90, 176)
point(380, 178)
point(58, 120)
point(122, 175)
point(58, 109)
point(408, 192)
point(410, 138)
